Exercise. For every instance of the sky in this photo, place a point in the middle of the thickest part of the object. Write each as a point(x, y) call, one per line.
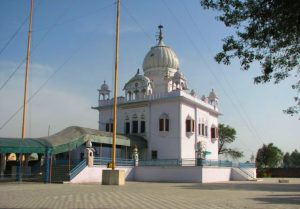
point(72, 53)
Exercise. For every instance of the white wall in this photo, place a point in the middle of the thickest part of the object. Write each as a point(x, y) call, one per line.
point(130, 112)
point(94, 174)
point(212, 146)
point(175, 143)
point(157, 75)
point(168, 173)
point(215, 174)
point(187, 140)
point(165, 143)
point(165, 174)
point(104, 116)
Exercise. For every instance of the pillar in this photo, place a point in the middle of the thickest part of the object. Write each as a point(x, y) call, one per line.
point(26, 160)
point(19, 157)
point(89, 157)
point(47, 166)
point(2, 164)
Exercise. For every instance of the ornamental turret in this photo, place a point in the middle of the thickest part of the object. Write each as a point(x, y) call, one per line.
point(104, 92)
point(178, 81)
point(213, 99)
point(138, 87)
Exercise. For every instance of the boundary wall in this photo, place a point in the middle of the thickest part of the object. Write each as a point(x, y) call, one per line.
point(166, 174)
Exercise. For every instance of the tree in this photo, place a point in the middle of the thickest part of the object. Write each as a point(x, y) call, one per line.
point(295, 158)
point(269, 156)
point(287, 160)
point(291, 160)
point(268, 32)
point(227, 135)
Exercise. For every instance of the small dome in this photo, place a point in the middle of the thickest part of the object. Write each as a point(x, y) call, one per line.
point(193, 93)
point(160, 55)
point(212, 95)
point(178, 75)
point(138, 79)
point(104, 87)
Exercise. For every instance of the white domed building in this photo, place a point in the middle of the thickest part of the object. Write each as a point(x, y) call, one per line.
point(159, 108)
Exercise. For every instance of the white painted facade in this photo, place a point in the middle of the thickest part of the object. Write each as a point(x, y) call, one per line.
point(159, 107)
point(167, 174)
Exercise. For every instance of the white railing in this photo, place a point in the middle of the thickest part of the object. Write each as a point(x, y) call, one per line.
point(166, 95)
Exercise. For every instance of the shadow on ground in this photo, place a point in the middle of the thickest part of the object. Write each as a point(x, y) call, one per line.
point(275, 187)
point(279, 199)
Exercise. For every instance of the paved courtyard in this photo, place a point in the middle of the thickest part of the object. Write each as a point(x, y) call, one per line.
point(255, 195)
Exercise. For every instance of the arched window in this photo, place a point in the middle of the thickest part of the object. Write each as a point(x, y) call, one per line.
point(127, 125)
point(143, 124)
point(109, 126)
point(135, 124)
point(214, 132)
point(128, 95)
point(190, 125)
point(164, 122)
point(144, 91)
point(136, 94)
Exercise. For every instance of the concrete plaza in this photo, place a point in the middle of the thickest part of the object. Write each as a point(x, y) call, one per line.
point(232, 195)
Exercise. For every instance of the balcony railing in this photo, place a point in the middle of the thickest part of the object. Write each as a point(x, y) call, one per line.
point(194, 162)
point(119, 161)
point(172, 94)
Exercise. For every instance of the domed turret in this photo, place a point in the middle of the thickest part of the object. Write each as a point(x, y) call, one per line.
point(104, 87)
point(139, 78)
point(178, 81)
point(138, 87)
point(104, 91)
point(212, 95)
point(213, 99)
point(178, 75)
point(193, 93)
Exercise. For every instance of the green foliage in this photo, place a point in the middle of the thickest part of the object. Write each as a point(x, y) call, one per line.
point(287, 160)
point(291, 160)
point(269, 156)
point(227, 135)
point(268, 32)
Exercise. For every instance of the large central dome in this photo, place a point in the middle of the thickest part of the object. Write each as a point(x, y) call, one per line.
point(160, 56)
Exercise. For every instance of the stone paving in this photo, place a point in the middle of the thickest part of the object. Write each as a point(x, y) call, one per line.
point(229, 195)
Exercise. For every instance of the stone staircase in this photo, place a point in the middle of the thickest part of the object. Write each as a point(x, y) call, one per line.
point(242, 174)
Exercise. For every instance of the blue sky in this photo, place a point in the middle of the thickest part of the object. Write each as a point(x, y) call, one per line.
point(80, 36)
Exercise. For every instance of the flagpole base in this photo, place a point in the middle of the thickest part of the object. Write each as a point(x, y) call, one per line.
point(113, 177)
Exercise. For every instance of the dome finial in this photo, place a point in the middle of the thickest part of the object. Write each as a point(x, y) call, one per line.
point(160, 36)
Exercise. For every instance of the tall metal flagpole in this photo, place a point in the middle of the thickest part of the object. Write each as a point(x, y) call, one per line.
point(115, 88)
point(26, 81)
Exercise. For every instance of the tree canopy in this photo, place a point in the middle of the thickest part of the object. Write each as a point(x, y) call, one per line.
point(267, 31)
point(291, 160)
point(269, 156)
point(227, 135)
